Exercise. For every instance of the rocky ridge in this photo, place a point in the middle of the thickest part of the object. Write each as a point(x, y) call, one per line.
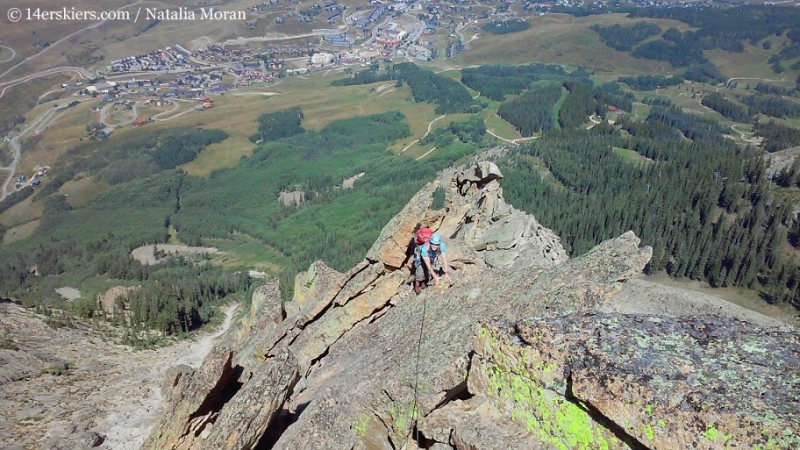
point(513, 355)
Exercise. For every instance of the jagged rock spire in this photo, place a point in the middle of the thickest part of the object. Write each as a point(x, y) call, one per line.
point(343, 352)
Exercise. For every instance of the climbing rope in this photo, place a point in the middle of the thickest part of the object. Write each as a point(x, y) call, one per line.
point(414, 411)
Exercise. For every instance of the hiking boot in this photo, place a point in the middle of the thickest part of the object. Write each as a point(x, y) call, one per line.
point(417, 287)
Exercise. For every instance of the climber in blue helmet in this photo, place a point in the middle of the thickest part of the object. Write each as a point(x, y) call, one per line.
point(426, 256)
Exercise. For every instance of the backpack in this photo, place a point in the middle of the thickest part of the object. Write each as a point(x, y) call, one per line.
point(422, 236)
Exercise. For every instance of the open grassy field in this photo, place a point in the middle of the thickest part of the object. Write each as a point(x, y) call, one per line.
point(21, 213)
point(20, 232)
point(631, 156)
point(225, 154)
point(752, 63)
point(18, 100)
point(499, 126)
point(81, 190)
point(7, 55)
point(244, 250)
point(567, 40)
point(66, 133)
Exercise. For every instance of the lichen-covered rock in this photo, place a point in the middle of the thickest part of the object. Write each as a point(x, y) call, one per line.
point(172, 378)
point(358, 281)
point(662, 382)
point(482, 172)
point(476, 424)
point(315, 288)
point(323, 333)
point(370, 370)
point(263, 320)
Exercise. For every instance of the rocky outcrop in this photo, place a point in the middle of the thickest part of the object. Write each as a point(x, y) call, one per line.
point(392, 244)
point(637, 381)
point(378, 367)
point(243, 421)
point(192, 400)
point(500, 233)
point(196, 418)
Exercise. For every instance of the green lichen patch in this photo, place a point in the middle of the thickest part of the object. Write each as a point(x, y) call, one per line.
point(667, 382)
point(517, 384)
point(401, 419)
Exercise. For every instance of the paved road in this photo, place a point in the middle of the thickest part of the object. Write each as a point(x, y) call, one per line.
point(80, 70)
point(37, 125)
point(175, 107)
point(376, 27)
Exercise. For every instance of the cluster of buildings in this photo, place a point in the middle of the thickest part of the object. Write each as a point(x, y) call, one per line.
point(218, 54)
point(265, 5)
point(391, 35)
point(362, 20)
point(159, 60)
point(249, 76)
point(184, 86)
point(358, 55)
point(333, 10)
point(339, 40)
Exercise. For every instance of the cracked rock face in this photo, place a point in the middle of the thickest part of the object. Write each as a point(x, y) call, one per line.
point(640, 381)
point(356, 360)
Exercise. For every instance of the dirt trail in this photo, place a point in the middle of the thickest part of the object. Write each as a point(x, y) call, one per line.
point(515, 141)
point(741, 135)
point(13, 54)
point(430, 127)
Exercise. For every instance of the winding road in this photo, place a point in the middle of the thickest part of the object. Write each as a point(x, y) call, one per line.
point(38, 125)
point(430, 127)
point(727, 83)
point(83, 73)
point(13, 54)
point(515, 141)
point(104, 116)
point(54, 44)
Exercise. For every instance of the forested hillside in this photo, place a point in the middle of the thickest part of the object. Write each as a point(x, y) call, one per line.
point(450, 96)
point(707, 216)
point(623, 38)
point(727, 29)
point(497, 81)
